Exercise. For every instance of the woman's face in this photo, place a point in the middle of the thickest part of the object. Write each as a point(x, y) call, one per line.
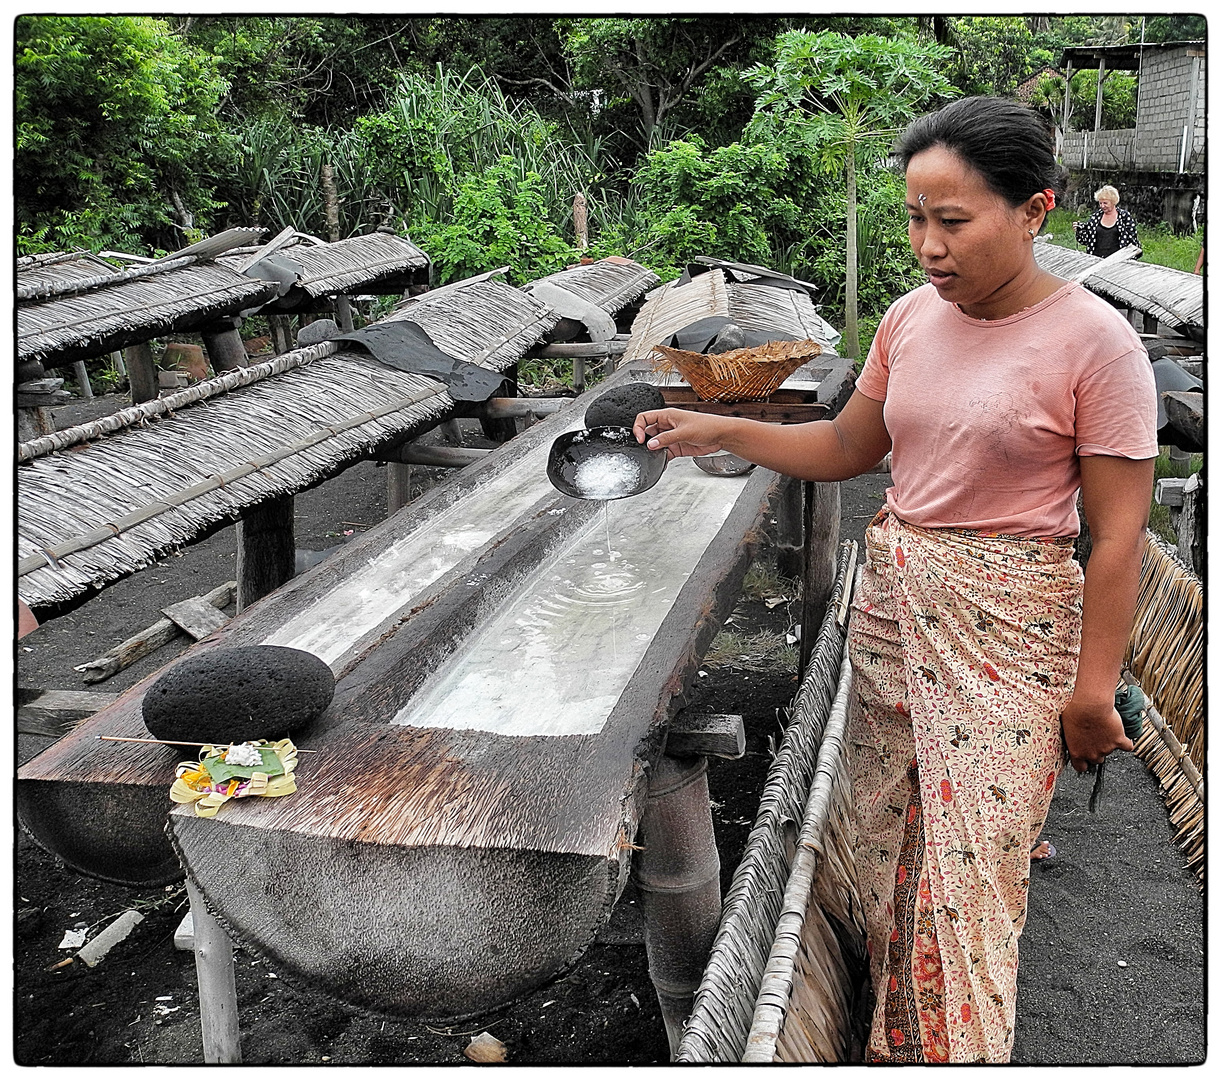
point(972, 244)
point(1107, 203)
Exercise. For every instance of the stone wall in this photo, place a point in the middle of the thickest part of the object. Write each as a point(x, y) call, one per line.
point(1171, 98)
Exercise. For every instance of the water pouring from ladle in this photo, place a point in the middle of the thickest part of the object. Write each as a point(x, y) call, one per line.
point(604, 461)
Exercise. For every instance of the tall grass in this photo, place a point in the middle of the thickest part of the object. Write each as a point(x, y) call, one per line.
point(404, 165)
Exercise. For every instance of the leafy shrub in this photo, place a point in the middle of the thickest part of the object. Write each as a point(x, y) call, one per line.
point(498, 219)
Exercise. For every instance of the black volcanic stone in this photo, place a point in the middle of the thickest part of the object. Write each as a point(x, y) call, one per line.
point(236, 695)
point(619, 406)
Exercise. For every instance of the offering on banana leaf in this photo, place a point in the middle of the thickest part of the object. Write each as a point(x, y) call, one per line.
point(233, 772)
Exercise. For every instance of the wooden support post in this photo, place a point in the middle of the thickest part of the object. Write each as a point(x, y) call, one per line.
point(266, 549)
point(281, 333)
point(580, 221)
point(82, 380)
point(217, 985)
point(821, 514)
point(343, 314)
point(790, 527)
point(578, 374)
point(116, 358)
point(330, 198)
point(224, 345)
point(678, 873)
point(398, 486)
point(1192, 525)
point(141, 372)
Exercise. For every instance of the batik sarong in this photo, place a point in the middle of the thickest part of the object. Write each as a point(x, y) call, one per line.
point(964, 651)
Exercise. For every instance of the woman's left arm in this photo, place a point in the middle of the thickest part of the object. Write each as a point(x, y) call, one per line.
point(1115, 494)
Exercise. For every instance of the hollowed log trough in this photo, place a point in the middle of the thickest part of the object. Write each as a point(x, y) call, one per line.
point(507, 659)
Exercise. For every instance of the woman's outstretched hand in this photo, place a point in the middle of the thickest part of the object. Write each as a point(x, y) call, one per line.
point(680, 432)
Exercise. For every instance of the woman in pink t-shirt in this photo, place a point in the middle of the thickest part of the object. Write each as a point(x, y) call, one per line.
point(981, 654)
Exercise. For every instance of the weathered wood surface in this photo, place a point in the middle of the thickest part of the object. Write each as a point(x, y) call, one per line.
point(196, 616)
point(1185, 411)
point(53, 711)
point(465, 826)
point(149, 640)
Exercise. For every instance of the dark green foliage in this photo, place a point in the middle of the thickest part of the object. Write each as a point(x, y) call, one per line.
point(115, 118)
point(498, 219)
point(473, 134)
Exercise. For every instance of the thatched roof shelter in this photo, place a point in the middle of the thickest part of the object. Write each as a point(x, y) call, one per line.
point(613, 283)
point(119, 501)
point(310, 269)
point(751, 302)
point(73, 306)
point(1174, 297)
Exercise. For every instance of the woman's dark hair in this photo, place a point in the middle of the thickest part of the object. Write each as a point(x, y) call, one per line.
point(1010, 145)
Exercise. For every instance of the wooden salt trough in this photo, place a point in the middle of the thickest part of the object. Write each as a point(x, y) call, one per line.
point(506, 661)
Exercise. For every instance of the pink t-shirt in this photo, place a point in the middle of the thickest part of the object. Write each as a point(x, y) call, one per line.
point(987, 419)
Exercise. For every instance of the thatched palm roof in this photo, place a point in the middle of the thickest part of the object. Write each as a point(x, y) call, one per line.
point(611, 283)
point(79, 306)
point(377, 262)
point(117, 502)
point(1173, 297)
point(752, 306)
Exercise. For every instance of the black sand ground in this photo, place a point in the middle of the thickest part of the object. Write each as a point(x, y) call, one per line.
point(1112, 968)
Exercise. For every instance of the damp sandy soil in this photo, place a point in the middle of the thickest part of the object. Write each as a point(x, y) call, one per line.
point(1112, 958)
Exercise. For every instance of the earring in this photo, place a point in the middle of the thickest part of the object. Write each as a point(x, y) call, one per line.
point(1031, 231)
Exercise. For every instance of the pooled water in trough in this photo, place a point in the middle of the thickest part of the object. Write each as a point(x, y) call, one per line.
point(355, 607)
point(556, 656)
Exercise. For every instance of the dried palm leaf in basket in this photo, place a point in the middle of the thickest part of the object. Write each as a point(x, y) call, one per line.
point(750, 374)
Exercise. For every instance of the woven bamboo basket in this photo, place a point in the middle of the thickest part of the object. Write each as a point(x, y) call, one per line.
point(751, 374)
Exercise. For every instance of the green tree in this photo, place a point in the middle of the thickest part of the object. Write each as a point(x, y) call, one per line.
point(840, 101)
point(734, 202)
point(657, 63)
point(499, 218)
point(116, 133)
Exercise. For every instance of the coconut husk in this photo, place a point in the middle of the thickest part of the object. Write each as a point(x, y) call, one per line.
point(750, 374)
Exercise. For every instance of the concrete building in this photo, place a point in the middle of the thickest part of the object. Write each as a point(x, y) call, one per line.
point(1162, 159)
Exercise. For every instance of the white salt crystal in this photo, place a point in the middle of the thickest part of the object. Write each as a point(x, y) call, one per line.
point(243, 754)
point(607, 476)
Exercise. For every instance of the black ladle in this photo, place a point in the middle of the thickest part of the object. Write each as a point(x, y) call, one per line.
point(603, 463)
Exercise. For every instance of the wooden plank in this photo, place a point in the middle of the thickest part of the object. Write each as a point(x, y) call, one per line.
point(54, 710)
point(775, 410)
point(720, 735)
point(140, 645)
point(196, 616)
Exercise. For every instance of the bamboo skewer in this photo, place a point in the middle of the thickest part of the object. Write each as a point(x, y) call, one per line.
point(172, 742)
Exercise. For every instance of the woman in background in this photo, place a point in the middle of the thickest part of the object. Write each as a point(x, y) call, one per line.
point(1108, 228)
